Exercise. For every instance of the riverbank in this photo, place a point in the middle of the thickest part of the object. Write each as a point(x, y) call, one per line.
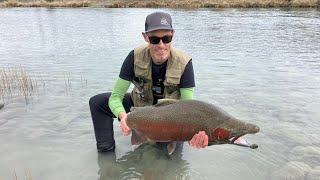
point(164, 3)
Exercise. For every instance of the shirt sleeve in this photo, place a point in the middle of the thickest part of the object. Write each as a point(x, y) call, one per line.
point(115, 101)
point(127, 70)
point(187, 78)
point(186, 93)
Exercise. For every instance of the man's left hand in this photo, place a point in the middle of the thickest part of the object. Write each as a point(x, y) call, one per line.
point(199, 140)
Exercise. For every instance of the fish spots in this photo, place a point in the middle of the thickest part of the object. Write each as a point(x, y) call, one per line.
point(220, 133)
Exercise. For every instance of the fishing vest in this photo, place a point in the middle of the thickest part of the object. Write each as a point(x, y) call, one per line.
point(142, 92)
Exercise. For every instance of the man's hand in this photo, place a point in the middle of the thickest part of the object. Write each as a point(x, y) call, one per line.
point(199, 140)
point(123, 123)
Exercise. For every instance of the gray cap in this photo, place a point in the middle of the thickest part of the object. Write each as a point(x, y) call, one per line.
point(158, 20)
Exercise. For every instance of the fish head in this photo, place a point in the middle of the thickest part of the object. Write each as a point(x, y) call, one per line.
point(226, 135)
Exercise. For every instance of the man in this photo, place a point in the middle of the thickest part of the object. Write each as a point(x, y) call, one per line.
point(157, 70)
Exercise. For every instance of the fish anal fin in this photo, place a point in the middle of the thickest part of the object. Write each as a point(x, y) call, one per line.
point(137, 139)
point(164, 102)
point(171, 147)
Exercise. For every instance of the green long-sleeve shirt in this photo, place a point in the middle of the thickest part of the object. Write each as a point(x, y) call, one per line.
point(121, 87)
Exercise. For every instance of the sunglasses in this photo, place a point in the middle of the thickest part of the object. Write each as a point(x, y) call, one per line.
point(165, 39)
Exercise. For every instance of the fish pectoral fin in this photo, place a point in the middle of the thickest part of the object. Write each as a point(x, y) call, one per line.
point(171, 147)
point(164, 102)
point(137, 139)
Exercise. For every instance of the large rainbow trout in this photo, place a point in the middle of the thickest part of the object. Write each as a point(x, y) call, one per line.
point(180, 120)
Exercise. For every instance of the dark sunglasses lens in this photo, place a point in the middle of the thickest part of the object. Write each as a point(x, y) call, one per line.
point(166, 39)
point(154, 39)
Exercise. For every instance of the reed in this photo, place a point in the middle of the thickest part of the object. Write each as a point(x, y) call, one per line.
point(27, 175)
point(67, 82)
point(162, 3)
point(71, 81)
point(16, 81)
point(14, 175)
point(84, 81)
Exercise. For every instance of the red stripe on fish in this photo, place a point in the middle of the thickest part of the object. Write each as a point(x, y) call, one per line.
point(166, 131)
point(220, 133)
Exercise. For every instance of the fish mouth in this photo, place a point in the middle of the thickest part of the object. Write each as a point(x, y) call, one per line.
point(239, 141)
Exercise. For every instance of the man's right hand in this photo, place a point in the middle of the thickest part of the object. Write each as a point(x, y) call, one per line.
point(123, 123)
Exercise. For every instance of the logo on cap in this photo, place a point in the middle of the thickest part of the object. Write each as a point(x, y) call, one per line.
point(164, 22)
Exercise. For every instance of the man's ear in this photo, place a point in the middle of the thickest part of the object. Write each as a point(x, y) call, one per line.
point(173, 31)
point(145, 37)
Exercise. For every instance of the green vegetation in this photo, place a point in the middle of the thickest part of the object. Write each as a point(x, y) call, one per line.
point(162, 3)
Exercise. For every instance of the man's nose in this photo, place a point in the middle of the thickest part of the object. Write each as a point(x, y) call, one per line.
point(161, 43)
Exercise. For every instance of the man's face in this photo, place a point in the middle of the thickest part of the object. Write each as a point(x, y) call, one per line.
point(159, 52)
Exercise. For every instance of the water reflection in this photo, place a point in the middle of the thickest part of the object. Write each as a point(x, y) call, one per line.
point(148, 161)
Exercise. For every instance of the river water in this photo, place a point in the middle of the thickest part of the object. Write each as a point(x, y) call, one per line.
point(260, 65)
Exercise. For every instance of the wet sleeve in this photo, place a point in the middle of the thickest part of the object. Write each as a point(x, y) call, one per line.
point(186, 93)
point(119, 90)
point(187, 78)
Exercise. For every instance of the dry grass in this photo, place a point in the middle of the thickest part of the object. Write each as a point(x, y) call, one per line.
point(70, 81)
point(27, 175)
point(46, 3)
point(16, 81)
point(218, 3)
point(162, 3)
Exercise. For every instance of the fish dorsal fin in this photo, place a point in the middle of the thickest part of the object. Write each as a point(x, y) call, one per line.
point(164, 102)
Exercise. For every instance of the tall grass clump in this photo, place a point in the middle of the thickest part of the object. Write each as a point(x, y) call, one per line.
point(16, 81)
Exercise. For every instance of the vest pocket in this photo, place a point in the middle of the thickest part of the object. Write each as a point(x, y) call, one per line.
point(173, 76)
point(141, 68)
point(171, 92)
